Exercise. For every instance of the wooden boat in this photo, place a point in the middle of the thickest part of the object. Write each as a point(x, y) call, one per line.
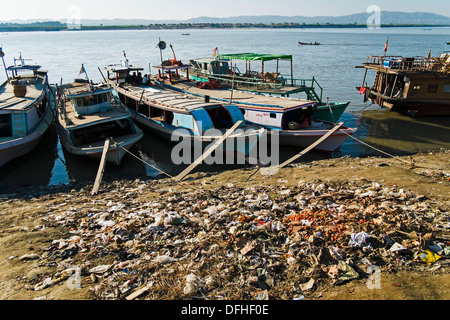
point(88, 114)
point(175, 116)
point(223, 71)
point(290, 118)
point(26, 109)
point(309, 43)
point(416, 86)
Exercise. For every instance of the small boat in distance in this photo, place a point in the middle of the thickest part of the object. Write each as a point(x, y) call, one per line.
point(88, 114)
point(309, 43)
point(26, 109)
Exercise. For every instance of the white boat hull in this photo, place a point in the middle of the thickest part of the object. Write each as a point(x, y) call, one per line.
point(117, 150)
point(305, 138)
point(242, 142)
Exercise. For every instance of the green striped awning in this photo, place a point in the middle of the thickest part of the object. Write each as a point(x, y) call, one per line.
point(255, 56)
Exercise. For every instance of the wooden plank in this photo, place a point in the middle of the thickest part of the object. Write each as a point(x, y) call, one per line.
point(139, 292)
point(208, 152)
point(101, 168)
point(315, 144)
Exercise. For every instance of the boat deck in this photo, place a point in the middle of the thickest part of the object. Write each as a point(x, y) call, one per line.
point(85, 120)
point(243, 97)
point(72, 119)
point(168, 99)
point(8, 101)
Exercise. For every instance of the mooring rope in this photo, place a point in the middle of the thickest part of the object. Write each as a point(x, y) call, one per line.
point(379, 150)
point(142, 160)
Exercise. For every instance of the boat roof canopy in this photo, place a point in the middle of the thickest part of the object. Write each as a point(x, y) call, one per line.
point(123, 68)
point(80, 89)
point(255, 56)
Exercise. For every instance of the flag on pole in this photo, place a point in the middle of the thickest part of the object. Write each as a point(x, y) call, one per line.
point(386, 45)
point(215, 52)
point(82, 70)
point(362, 90)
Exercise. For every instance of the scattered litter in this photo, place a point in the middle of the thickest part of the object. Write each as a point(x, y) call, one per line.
point(235, 242)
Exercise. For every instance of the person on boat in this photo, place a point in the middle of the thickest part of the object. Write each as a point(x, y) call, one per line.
point(145, 80)
point(388, 90)
point(138, 80)
point(306, 123)
point(399, 94)
point(133, 78)
point(128, 78)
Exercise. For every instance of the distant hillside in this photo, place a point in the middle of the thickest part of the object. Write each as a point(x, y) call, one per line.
point(387, 18)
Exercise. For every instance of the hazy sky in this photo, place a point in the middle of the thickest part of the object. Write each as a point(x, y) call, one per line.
point(184, 9)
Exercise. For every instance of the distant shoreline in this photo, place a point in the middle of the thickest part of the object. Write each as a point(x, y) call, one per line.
point(5, 27)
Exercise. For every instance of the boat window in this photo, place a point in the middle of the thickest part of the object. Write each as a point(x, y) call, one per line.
point(446, 88)
point(417, 87)
point(5, 125)
point(102, 131)
point(156, 113)
point(168, 116)
point(144, 109)
point(432, 87)
point(92, 100)
point(296, 118)
point(273, 115)
point(220, 117)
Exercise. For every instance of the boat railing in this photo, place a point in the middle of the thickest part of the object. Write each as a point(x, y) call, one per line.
point(247, 83)
point(307, 84)
point(411, 64)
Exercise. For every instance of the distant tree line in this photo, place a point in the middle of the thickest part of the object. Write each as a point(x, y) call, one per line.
point(59, 26)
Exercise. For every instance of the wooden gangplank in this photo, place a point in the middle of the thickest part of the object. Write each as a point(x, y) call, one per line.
point(208, 152)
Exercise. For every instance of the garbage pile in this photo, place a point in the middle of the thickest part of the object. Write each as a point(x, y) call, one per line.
point(232, 242)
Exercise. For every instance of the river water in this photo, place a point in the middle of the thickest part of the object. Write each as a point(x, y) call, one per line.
point(332, 64)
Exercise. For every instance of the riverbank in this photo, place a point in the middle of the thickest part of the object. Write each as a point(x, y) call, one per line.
point(312, 231)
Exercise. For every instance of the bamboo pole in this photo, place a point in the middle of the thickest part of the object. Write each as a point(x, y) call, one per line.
point(315, 144)
point(101, 168)
point(208, 152)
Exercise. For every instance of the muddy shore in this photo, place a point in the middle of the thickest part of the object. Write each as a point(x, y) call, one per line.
point(310, 231)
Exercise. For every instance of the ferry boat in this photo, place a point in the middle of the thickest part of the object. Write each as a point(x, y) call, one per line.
point(174, 115)
point(26, 109)
point(292, 119)
point(88, 114)
point(224, 70)
point(417, 86)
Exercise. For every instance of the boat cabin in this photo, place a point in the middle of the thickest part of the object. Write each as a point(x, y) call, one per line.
point(87, 98)
point(23, 100)
point(279, 119)
point(414, 84)
point(123, 73)
point(211, 66)
point(93, 113)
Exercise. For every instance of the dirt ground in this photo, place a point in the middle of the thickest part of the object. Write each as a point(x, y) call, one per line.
point(22, 210)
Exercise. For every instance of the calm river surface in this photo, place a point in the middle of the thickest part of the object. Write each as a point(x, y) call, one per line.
point(333, 65)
